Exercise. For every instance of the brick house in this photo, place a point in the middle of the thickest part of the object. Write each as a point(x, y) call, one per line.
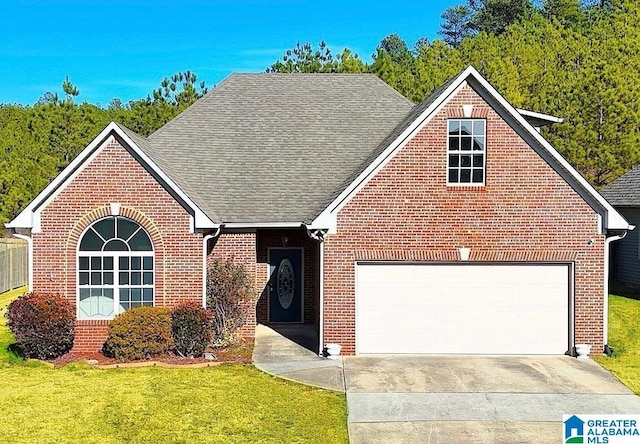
point(450, 226)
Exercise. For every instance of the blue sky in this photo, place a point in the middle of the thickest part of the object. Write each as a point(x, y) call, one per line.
point(123, 49)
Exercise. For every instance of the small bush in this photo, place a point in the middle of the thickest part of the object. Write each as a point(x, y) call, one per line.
point(191, 329)
point(139, 333)
point(229, 291)
point(42, 324)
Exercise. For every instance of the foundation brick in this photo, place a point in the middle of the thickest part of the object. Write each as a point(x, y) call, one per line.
point(525, 212)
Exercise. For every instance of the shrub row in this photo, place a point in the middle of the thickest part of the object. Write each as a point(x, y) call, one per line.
point(146, 332)
point(141, 333)
point(43, 327)
point(43, 323)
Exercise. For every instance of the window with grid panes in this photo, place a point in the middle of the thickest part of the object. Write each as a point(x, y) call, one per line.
point(466, 152)
point(115, 268)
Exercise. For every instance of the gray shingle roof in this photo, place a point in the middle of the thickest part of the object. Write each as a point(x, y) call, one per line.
point(165, 165)
point(415, 112)
point(625, 190)
point(276, 147)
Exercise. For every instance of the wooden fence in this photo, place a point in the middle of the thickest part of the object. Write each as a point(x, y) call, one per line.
point(14, 271)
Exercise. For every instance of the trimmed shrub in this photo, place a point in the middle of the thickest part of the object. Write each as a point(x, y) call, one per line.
point(42, 324)
point(191, 329)
point(139, 333)
point(229, 291)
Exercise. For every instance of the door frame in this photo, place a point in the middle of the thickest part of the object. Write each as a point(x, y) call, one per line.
point(570, 290)
point(301, 321)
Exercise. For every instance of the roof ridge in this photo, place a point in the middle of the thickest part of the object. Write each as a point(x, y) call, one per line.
point(188, 109)
point(409, 101)
point(284, 140)
point(305, 74)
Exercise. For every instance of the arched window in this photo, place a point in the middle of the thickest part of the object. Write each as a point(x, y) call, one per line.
point(115, 268)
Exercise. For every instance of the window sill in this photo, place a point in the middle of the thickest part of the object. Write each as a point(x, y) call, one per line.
point(95, 321)
point(467, 187)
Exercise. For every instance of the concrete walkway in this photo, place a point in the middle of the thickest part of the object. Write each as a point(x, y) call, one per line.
point(275, 354)
point(447, 399)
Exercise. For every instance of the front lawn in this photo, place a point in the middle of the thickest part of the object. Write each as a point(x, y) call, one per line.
point(624, 337)
point(228, 403)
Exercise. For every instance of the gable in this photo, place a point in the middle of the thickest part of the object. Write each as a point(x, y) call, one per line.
point(522, 200)
point(423, 115)
point(30, 216)
point(112, 176)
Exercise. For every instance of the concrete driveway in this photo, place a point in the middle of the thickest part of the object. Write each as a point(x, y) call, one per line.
point(448, 399)
point(475, 399)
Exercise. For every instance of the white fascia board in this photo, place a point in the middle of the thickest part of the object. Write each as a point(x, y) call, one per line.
point(613, 219)
point(239, 225)
point(26, 217)
point(202, 221)
point(325, 221)
point(29, 217)
point(540, 116)
point(329, 215)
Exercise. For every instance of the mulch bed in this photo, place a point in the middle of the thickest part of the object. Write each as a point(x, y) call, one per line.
point(239, 353)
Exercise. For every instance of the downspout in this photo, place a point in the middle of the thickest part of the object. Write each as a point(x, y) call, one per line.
point(605, 326)
point(321, 320)
point(319, 236)
point(29, 256)
point(205, 243)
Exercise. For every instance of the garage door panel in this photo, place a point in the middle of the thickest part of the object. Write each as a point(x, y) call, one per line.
point(495, 309)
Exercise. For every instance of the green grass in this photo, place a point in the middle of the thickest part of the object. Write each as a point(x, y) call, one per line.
point(624, 337)
point(228, 403)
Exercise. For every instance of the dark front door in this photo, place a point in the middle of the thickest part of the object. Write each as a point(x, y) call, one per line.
point(285, 285)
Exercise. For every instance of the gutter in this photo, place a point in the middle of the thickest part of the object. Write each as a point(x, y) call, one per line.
point(605, 321)
point(240, 225)
point(205, 244)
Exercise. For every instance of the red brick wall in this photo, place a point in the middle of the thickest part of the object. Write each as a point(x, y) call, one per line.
point(240, 247)
point(251, 249)
point(115, 176)
point(526, 212)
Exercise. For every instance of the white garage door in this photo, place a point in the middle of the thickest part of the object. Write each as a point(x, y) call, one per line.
point(479, 309)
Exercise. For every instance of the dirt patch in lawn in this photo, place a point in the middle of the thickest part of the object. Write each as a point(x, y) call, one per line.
point(239, 353)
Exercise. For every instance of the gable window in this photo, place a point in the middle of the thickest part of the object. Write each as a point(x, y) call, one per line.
point(115, 268)
point(466, 151)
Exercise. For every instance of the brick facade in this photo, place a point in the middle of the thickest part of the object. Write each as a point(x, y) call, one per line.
point(115, 176)
point(239, 247)
point(525, 212)
point(251, 248)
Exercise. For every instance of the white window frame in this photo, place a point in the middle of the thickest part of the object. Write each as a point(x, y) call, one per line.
point(471, 152)
point(116, 255)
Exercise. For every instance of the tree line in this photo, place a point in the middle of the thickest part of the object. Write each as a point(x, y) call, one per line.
point(577, 60)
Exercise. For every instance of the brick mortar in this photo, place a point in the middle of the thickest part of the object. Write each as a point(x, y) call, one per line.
point(526, 212)
point(115, 176)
